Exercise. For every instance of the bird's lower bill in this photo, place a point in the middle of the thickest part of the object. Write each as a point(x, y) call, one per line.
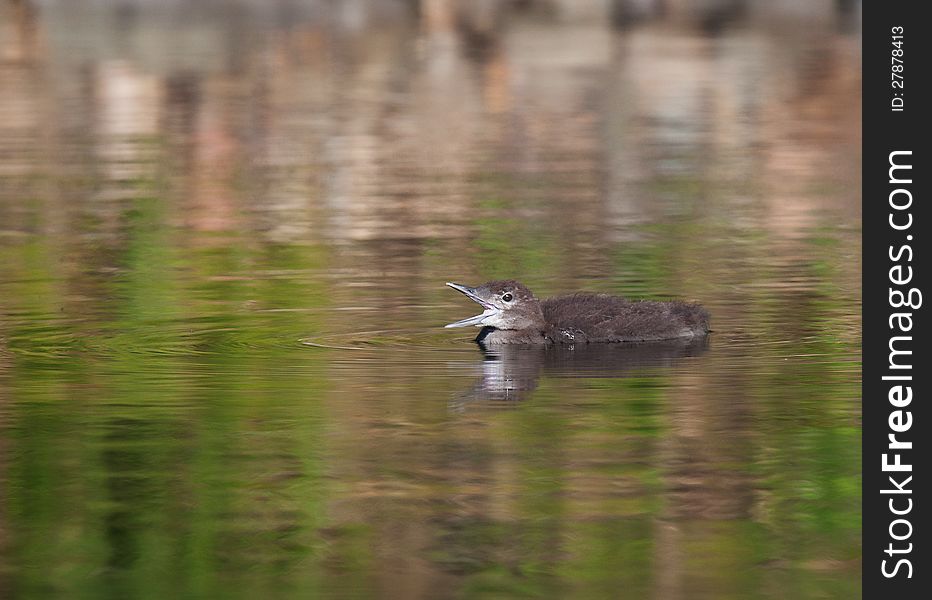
point(482, 320)
point(490, 313)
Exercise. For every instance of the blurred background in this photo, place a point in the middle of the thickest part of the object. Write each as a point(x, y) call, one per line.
point(224, 232)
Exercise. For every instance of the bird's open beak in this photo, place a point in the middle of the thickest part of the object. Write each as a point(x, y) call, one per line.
point(470, 293)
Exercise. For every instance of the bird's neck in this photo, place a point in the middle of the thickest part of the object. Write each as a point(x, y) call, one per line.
point(491, 335)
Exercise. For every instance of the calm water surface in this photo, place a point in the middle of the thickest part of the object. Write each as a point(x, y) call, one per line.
point(223, 241)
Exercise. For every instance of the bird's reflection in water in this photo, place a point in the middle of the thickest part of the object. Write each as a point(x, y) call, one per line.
point(510, 373)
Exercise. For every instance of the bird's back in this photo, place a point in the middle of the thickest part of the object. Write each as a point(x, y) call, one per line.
point(585, 317)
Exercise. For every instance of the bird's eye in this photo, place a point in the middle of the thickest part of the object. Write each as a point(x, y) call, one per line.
point(507, 297)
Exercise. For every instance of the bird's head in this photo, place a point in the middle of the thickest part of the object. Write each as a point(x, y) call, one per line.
point(506, 304)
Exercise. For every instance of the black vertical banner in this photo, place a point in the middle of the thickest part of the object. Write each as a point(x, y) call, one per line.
point(897, 439)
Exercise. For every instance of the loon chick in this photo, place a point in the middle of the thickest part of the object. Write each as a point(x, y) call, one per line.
point(513, 315)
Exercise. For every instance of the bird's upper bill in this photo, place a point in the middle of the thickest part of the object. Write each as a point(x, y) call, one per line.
point(489, 313)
